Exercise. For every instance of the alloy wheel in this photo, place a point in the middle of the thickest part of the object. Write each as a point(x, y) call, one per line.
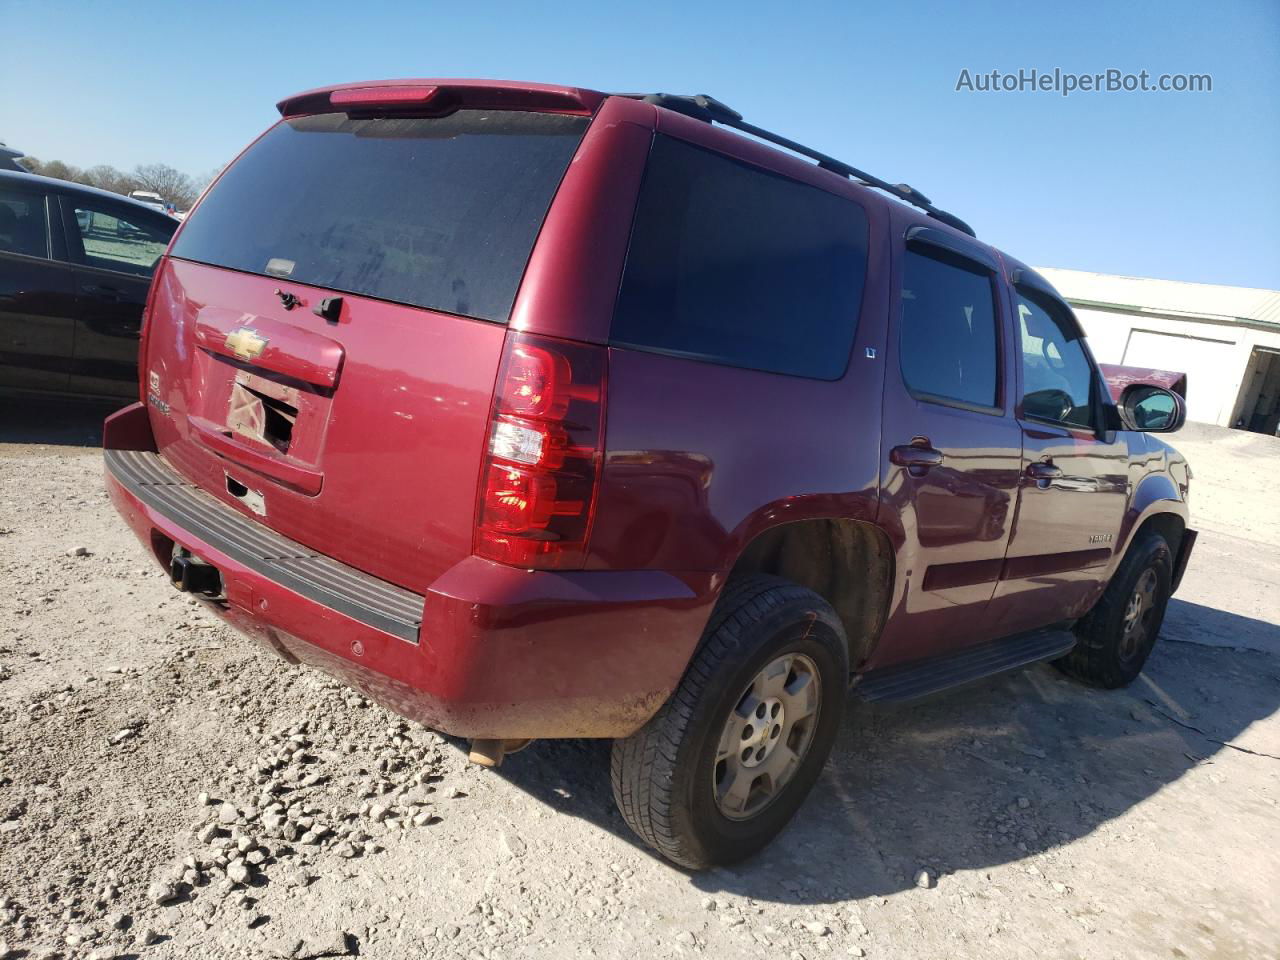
point(1137, 614)
point(766, 736)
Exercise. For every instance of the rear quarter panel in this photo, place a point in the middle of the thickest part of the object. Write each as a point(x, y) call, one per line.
point(701, 457)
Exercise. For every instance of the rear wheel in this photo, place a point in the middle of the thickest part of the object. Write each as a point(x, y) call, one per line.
point(1118, 634)
point(726, 762)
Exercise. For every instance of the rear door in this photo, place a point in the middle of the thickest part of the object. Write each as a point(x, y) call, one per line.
point(1074, 485)
point(952, 449)
point(115, 248)
point(37, 299)
point(326, 332)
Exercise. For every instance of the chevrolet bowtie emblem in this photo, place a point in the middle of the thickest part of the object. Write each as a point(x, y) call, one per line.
point(245, 343)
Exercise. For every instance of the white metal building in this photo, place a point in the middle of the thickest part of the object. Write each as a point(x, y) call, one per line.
point(1225, 339)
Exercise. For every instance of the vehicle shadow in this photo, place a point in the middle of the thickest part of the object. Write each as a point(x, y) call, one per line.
point(979, 777)
point(57, 422)
point(1193, 623)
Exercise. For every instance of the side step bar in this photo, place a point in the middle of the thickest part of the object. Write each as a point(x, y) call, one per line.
point(910, 681)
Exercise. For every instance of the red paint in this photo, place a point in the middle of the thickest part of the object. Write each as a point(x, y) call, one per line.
point(1119, 378)
point(445, 95)
point(389, 469)
point(261, 461)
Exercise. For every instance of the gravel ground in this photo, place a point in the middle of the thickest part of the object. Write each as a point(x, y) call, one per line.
point(169, 790)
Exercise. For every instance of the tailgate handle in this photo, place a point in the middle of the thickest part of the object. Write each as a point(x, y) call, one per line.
point(302, 479)
point(269, 344)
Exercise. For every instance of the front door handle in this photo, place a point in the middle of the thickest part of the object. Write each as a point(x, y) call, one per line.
point(1043, 473)
point(917, 456)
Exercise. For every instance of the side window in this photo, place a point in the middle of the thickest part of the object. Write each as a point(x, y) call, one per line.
point(735, 265)
point(1057, 378)
point(948, 340)
point(24, 228)
point(117, 238)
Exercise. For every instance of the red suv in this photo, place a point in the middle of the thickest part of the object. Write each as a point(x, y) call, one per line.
point(532, 411)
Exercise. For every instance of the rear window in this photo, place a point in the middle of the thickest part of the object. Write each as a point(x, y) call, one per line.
point(738, 266)
point(439, 213)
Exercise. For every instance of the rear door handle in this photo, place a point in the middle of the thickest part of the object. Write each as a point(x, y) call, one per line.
point(917, 456)
point(1043, 473)
point(105, 292)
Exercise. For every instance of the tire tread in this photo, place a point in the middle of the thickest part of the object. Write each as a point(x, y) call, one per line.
point(643, 766)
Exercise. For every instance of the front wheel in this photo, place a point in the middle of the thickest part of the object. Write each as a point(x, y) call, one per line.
point(1117, 635)
point(722, 767)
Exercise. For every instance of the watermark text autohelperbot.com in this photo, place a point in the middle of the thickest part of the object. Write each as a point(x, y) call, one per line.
point(1065, 83)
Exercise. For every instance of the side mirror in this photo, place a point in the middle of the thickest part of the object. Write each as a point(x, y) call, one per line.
point(1151, 409)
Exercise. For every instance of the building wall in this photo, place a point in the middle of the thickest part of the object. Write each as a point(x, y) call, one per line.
point(1214, 356)
point(1225, 339)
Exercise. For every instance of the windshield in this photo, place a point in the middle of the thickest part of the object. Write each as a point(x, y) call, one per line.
point(439, 213)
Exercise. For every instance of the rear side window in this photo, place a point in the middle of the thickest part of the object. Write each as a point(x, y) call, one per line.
point(948, 339)
point(439, 213)
point(734, 265)
point(115, 237)
point(23, 226)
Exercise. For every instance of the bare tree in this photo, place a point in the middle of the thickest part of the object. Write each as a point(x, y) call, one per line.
point(54, 168)
point(207, 178)
point(173, 185)
point(106, 177)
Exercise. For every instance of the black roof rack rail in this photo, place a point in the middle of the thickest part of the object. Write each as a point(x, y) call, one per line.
point(711, 110)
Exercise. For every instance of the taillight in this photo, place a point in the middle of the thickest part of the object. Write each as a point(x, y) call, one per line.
point(542, 463)
point(381, 96)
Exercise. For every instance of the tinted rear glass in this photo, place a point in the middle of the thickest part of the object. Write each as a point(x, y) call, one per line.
point(438, 213)
point(735, 265)
point(948, 340)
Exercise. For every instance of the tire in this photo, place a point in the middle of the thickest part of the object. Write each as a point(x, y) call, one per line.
point(672, 778)
point(1112, 646)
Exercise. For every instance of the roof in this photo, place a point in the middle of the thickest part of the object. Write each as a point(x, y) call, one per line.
point(437, 95)
point(1167, 298)
point(67, 186)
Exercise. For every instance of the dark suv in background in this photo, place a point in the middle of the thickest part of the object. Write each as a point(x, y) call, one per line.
point(75, 266)
point(534, 411)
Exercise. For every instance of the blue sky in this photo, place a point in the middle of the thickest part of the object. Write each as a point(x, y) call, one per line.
point(1183, 186)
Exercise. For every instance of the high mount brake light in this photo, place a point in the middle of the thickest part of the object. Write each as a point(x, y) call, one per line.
point(542, 464)
point(381, 96)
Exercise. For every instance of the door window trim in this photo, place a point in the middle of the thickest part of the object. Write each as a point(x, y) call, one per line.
point(44, 198)
point(1060, 312)
point(940, 246)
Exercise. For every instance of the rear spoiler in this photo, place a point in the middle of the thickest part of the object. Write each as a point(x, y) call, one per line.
point(439, 97)
point(1119, 378)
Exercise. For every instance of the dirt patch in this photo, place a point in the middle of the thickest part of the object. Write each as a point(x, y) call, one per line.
point(168, 790)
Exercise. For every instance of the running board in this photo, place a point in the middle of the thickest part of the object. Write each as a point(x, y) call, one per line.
point(910, 681)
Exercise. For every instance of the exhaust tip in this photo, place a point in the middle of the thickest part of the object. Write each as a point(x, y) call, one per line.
point(490, 753)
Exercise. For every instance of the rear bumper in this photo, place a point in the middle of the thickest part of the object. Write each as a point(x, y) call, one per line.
point(490, 651)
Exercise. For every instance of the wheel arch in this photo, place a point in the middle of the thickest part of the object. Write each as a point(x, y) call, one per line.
point(1156, 505)
point(847, 562)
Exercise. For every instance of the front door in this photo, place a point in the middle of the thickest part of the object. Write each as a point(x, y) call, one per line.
point(951, 450)
point(1074, 484)
point(37, 300)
